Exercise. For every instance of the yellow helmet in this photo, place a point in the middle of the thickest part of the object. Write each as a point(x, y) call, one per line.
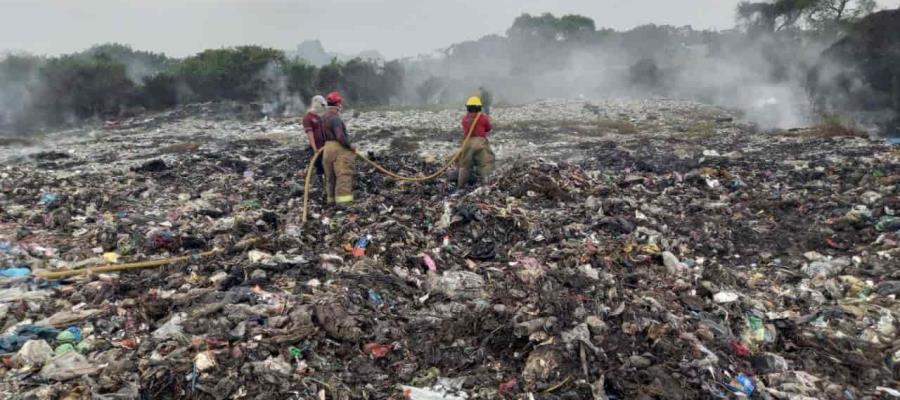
point(473, 101)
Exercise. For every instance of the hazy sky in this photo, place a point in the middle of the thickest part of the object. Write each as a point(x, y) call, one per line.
point(393, 27)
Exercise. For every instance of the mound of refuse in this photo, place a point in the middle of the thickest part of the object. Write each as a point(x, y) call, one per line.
point(860, 74)
point(672, 266)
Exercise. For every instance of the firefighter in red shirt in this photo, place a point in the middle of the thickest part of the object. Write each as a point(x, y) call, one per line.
point(312, 125)
point(477, 151)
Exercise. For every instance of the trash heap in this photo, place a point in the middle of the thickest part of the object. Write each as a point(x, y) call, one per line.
point(658, 264)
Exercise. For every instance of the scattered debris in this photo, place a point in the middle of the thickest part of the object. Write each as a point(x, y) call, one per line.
point(652, 264)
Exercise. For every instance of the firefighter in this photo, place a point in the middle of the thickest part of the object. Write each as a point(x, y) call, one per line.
point(486, 99)
point(312, 125)
point(477, 151)
point(339, 156)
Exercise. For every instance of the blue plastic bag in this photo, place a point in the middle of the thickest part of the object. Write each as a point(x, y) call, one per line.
point(15, 272)
point(24, 333)
point(742, 383)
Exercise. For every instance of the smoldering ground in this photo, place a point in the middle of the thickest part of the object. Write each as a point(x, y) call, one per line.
point(763, 76)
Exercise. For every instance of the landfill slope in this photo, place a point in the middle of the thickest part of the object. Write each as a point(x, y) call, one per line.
point(628, 249)
point(867, 55)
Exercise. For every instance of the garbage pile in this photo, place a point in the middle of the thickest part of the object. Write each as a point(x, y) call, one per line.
point(868, 54)
point(665, 263)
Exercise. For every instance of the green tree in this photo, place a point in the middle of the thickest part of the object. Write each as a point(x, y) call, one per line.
point(539, 43)
point(650, 40)
point(548, 28)
point(360, 79)
point(301, 78)
point(139, 64)
point(231, 73)
point(330, 77)
point(392, 80)
point(19, 68)
point(84, 87)
point(159, 91)
point(576, 28)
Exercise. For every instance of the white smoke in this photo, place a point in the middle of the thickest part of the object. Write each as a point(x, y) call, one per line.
point(278, 100)
point(764, 77)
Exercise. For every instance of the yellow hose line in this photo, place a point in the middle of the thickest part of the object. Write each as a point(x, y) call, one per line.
point(121, 267)
point(378, 167)
point(309, 169)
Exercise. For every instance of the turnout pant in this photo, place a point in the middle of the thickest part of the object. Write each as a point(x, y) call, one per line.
point(338, 162)
point(476, 153)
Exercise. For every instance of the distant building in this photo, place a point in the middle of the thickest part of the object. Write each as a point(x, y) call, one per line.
point(313, 52)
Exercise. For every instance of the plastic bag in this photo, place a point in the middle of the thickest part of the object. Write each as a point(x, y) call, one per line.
point(68, 366)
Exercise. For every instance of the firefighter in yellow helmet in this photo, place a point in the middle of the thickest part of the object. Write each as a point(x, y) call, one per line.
point(477, 152)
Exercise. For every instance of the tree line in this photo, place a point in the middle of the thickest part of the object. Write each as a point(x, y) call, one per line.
point(113, 80)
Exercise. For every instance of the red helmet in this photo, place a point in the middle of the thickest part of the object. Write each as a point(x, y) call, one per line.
point(334, 98)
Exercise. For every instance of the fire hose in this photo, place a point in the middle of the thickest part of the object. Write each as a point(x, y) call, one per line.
point(240, 246)
point(385, 171)
point(121, 267)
